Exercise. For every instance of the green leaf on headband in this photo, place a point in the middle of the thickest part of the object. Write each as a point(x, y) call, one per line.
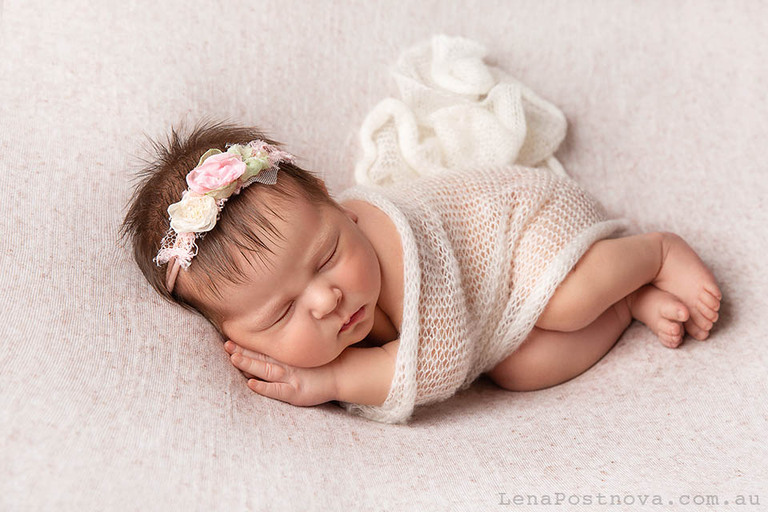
point(254, 165)
point(208, 153)
point(239, 150)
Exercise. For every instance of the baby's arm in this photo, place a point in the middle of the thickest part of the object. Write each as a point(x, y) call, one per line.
point(358, 375)
point(364, 375)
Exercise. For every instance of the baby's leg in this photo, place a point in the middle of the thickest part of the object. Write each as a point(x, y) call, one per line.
point(547, 358)
point(612, 269)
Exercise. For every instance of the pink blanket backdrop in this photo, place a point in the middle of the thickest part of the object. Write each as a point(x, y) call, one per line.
point(111, 399)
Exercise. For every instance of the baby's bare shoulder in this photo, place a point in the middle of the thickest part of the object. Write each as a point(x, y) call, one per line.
point(378, 228)
point(373, 220)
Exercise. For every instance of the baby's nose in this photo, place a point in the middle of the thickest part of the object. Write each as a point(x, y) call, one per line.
point(326, 302)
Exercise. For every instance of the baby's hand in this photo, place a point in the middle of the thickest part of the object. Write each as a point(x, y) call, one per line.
point(273, 379)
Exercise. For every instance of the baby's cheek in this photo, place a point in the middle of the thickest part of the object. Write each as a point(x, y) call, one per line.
point(363, 266)
point(372, 272)
point(250, 345)
point(246, 340)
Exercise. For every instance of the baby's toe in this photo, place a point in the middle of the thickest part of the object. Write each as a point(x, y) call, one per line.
point(674, 311)
point(714, 291)
point(695, 331)
point(673, 328)
point(709, 300)
point(670, 341)
point(707, 312)
point(670, 333)
point(701, 321)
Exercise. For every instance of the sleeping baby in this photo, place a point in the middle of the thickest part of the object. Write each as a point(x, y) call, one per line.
point(391, 297)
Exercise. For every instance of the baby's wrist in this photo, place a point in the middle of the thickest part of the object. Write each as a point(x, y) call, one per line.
point(334, 369)
point(364, 375)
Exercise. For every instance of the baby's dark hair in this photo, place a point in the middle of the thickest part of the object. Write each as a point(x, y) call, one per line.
point(242, 227)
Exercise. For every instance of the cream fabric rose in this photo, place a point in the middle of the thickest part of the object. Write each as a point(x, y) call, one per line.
point(193, 214)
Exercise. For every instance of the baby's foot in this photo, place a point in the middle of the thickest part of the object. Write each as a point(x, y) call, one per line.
point(685, 276)
point(662, 312)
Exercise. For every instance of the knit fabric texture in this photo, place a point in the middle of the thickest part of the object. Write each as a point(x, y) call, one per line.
point(463, 164)
point(483, 252)
point(455, 112)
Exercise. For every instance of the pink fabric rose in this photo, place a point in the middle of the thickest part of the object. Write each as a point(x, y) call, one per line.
point(215, 174)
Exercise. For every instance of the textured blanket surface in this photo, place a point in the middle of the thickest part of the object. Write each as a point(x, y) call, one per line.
point(111, 399)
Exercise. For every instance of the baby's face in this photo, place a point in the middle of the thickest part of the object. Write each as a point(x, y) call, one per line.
point(297, 307)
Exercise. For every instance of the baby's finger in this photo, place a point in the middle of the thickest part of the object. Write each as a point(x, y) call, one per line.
point(277, 390)
point(261, 369)
point(233, 348)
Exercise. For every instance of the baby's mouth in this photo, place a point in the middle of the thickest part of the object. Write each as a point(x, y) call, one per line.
point(353, 319)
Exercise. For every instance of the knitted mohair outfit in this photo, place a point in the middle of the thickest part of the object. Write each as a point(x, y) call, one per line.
point(483, 252)
point(463, 164)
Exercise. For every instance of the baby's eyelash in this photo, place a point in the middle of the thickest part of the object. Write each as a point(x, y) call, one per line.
point(290, 306)
point(330, 258)
point(333, 254)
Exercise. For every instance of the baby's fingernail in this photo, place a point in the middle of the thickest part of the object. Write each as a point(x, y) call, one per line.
point(228, 346)
point(236, 358)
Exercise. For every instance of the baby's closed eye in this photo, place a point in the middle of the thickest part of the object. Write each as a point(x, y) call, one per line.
point(285, 315)
point(331, 258)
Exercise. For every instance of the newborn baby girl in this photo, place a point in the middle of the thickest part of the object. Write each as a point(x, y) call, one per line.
point(398, 296)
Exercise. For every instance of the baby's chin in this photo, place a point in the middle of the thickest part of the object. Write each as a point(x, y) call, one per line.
point(366, 342)
point(311, 363)
point(315, 360)
point(363, 341)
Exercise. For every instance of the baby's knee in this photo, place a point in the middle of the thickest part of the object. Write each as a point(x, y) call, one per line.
point(563, 314)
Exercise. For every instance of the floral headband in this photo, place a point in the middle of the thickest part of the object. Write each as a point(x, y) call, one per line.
point(217, 177)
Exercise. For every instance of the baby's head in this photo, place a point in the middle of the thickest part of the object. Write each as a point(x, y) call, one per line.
point(283, 267)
